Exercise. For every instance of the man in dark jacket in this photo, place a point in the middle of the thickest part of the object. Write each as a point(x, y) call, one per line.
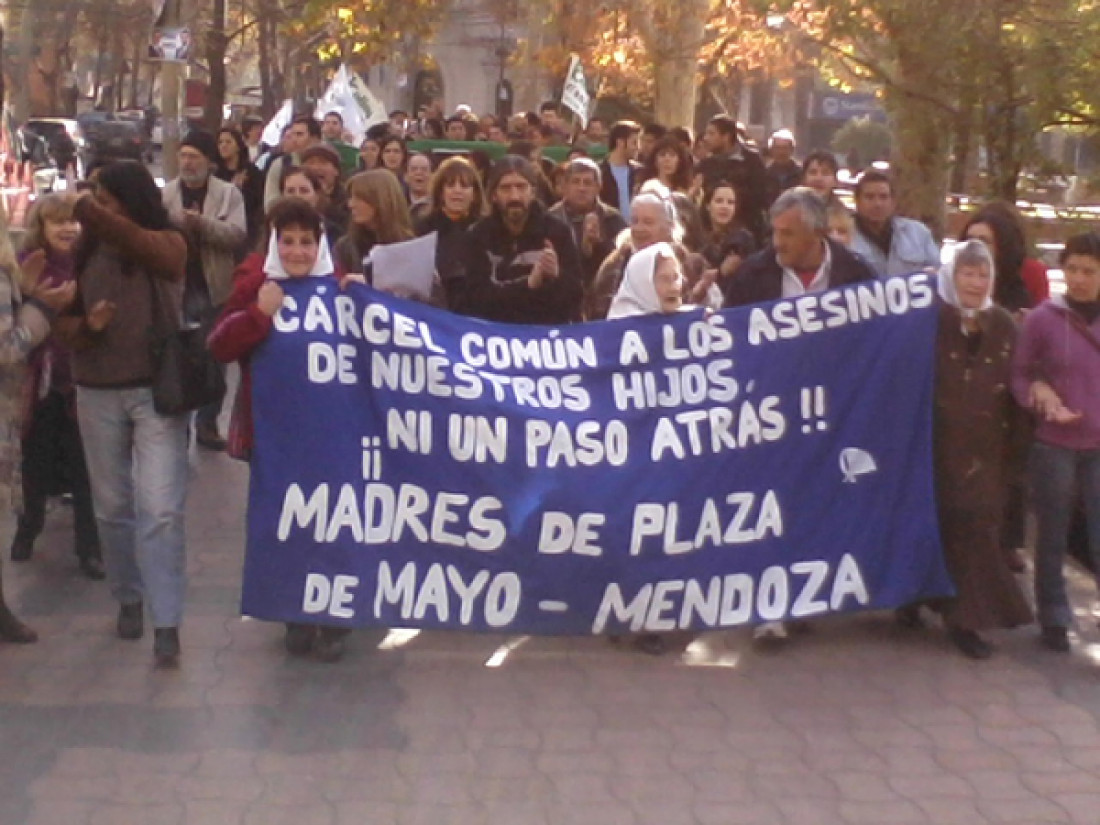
point(595, 225)
point(522, 266)
point(732, 160)
point(801, 258)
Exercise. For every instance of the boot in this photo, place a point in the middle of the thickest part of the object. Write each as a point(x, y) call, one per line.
point(166, 648)
point(11, 629)
point(22, 546)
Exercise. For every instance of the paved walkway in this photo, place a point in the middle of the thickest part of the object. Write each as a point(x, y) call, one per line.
point(856, 722)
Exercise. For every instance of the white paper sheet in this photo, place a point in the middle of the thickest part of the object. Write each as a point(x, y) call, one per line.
point(407, 268)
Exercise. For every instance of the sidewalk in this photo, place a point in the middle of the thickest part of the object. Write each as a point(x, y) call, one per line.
point(856, 722)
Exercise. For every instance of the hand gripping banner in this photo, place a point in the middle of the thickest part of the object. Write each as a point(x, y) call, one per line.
point(415, 468)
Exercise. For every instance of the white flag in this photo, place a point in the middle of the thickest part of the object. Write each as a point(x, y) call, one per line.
point(348, 95)
point(273, 132)
point(574, 95)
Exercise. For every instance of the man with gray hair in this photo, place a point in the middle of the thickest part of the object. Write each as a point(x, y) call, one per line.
point(595, 225)
point(800, 259)
point(522, 265)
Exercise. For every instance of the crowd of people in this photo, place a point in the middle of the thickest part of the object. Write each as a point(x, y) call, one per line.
point(634, 221)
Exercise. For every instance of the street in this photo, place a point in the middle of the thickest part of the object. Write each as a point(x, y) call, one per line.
point(855, 722)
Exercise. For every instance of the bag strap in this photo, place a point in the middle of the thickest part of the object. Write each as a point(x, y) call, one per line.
point(1078, 323)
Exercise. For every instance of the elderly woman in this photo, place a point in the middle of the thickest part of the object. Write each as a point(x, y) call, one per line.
point(1056, 374)
point(978, 440)
point(653, 219)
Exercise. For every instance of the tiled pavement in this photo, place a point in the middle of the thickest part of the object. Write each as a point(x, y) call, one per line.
point(855, 722)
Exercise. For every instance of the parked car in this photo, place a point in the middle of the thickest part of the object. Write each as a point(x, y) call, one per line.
point(64, 140)
point(114, 140)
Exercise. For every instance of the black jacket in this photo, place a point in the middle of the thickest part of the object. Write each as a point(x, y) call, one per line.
point(498, 264)
point(450, 255)
point(611, 224)
point(760, 277)
point(750, 182)
point(609, 187)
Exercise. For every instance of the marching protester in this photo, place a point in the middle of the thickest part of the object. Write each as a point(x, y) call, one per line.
point(418, 178)
point(653, 219)
point(1056, 375)
point(1021, 285)
point(647, 141)
point(299, 182)
point(234, 167)
point(24, 324)
point(522, 266)
point(801, 260)
point(652, 283)
point(303, 132)
point(393, 155)
point(130, 259)
point(595, 225)
point(332, 130)
point(379, 215)
point(732, 159)
point(53, 454)
point(296, 248)
point(370, 153)
point(980, 441)
point(457, 203)
point(727, 241)
point(323, 161)
point(211, 215)
point(670, 163)
point(620, 173)
point(819, 172)
point(783, 171)
point(891, 244)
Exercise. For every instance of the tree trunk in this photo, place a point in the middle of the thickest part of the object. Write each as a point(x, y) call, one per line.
point(215, 57)
point(962, 144)
point(265, 45)
point(921, 148)
point(673, 30)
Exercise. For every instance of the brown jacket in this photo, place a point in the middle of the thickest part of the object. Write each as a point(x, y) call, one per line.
point(980, 440)
point(126, 264)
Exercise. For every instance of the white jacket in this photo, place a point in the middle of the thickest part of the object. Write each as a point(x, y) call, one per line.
point(911, 249)
point(221, 234)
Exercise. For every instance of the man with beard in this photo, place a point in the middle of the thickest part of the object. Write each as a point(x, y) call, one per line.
point(211, 214)
point(523, 266)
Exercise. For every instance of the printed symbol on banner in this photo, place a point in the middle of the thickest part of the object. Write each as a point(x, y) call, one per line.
point(813, 410)
point(372, 458)
point(854, 463)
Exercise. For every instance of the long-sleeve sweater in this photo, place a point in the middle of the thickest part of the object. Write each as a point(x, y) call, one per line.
point(128, 262)
point(1050, 349)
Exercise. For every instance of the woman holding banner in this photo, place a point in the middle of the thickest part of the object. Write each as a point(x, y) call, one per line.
point(979, 444)
point(1056, 374)
point(296, 248)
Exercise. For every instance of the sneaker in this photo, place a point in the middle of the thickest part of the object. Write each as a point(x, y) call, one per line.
point(131, 621)
point(166, 648)
point(1056, 639)
point(971, 644)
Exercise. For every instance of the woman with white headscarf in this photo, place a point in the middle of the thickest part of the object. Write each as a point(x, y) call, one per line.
point(296, 248)
point(979, 443)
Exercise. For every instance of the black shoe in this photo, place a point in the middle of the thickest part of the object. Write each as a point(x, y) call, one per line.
point(299, 638)
point(328, 644)
point(166, 648)
point(651, 643)
point(1056, 639)
point(22, 546)
point(92, 568)
point(12, 630)
point(909, 617)
point(131, 621)
point(971, 644)
point(209, 438)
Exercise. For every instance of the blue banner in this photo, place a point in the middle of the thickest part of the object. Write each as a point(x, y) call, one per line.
point(415, 468)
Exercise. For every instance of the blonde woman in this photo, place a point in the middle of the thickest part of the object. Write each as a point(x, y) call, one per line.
point(24, 323)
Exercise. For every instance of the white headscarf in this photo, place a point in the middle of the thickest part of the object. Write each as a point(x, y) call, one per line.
point(637, 295)
point(967, 253)
point(273, 264)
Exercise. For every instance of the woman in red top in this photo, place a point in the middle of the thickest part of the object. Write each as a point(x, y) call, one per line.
point(296, 248)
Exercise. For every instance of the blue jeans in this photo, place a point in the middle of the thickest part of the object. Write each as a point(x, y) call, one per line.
point(137, 462)
point(1058, 476)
